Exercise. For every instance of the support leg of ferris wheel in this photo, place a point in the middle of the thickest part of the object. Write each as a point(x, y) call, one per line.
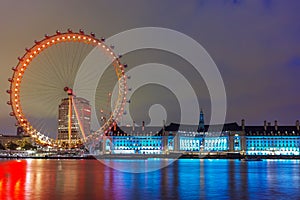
point(70, 118)
point(70, 114)
point(79, 121)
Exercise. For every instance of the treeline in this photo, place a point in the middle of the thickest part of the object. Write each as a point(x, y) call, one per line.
point(14, 146)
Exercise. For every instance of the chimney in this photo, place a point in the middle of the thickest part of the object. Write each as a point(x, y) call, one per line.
point(133, 125)
point(265, 125)
point(164, 126)
point(276, 125)
point(143, 125)
point(115, 126)
point(243, 124)
point(297, 125)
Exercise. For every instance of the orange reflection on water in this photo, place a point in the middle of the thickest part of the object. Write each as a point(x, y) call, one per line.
point(50, 179)
point(12, 179)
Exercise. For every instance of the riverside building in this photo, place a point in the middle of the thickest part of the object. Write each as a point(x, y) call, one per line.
point(233, 138)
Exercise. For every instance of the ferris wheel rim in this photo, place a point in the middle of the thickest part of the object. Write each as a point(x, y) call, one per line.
point(34, 51)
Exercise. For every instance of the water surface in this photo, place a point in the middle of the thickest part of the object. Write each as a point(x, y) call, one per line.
point(183, 179)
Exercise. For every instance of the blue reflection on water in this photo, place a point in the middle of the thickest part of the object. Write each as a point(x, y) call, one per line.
point(183, 179)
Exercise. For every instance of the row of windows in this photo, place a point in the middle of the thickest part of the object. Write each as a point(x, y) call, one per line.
point(189, 149)
point(289, 145)
point(273, 149)
point(274, 138)
point(190, 141)
point(189, 145)
point(215, 145)
point(272, 153)
point(216, 139)
point(216, 148)
point(137, 143)
point(138, 148)
point(275, 141)
point(130, 151)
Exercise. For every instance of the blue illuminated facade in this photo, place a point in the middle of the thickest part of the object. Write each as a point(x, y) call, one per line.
point(272, 139)
point(188, 143)
point(137, 144)
point(247, 140)
point(216, 144)
point(273, 145)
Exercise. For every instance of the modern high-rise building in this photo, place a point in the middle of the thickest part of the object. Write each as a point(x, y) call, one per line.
point(80, 120)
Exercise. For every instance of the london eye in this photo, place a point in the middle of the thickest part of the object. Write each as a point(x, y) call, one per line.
point(45, 74)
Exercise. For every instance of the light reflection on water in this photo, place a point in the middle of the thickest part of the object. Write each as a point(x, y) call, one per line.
point(137, 166)
point(183, 179)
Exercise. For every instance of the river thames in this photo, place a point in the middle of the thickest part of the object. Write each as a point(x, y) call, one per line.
point(183, 179)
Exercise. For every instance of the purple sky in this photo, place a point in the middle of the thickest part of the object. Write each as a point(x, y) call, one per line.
point(255, 44)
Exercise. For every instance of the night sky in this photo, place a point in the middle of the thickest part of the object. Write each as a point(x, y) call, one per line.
point(255, 44)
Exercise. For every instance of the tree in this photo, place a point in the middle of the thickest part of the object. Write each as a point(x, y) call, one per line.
point(28, 146)
point(2, 147)
point(12, 146)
